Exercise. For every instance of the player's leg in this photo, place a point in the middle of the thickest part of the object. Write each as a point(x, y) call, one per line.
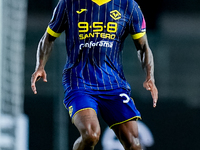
point(119, 112)
point(83, 108)
point(127, 133)
point(87, 123)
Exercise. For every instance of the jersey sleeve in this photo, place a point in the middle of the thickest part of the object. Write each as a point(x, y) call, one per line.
point(137, 23)
point(59, 19)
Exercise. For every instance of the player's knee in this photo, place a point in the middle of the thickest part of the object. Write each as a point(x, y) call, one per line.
point(91, 138)
point(133, 144)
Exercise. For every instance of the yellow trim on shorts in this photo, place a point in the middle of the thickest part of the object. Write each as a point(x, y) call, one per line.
point(52, 33)
point(138, 35)
point(81, 110)
point(136, 117)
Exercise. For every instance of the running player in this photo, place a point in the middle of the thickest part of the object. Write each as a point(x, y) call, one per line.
point(93, 78)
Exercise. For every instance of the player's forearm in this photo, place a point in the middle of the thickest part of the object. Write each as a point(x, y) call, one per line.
point(145, 56)
point(43, 52)
point(148, 64)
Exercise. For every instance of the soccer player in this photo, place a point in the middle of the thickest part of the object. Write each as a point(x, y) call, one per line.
point(93, 78)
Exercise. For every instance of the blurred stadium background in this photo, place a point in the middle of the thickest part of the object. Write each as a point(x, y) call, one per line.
point(33, 122)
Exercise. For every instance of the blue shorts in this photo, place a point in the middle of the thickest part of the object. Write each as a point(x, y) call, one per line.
point(115, 106)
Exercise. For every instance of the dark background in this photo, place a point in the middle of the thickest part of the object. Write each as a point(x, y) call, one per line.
point(173, 33)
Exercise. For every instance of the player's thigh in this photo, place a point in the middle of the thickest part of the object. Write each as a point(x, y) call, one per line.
point(127, 132)
point(83, 108)
point(87, 122)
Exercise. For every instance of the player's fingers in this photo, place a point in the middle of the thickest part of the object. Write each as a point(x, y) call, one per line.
point(147, 86)
point(154, 94)
point(44, 77)
point(33, 87)
point(38, 78)
point(150, 86)
point(154, 103)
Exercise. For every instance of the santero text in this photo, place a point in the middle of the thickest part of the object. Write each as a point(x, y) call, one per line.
point(102, 35)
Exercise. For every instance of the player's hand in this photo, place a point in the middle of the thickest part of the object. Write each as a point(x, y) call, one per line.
point(150, 86)
point(39, 73)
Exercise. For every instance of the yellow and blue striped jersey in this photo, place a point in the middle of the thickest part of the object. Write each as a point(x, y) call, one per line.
point(95, 31)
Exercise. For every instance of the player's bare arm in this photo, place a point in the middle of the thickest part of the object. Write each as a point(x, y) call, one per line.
point(43, 52)
point(146, 58)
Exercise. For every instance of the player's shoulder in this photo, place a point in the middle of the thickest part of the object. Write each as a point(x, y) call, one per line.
point(125, 3)
point(64, 2)
point(128, 3)
point(131, 2)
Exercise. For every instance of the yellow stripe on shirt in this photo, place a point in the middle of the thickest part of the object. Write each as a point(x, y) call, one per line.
point(52, 33)
point(138, 35)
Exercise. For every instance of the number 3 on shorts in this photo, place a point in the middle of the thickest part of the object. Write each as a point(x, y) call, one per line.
point(126, 96)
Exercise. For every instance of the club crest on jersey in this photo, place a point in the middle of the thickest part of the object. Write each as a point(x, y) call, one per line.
point(70, 110)
point(80, 11)
point(115, 14)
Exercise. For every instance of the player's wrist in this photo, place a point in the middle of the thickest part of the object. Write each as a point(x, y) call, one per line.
point(39, 67)
point(150, 78)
